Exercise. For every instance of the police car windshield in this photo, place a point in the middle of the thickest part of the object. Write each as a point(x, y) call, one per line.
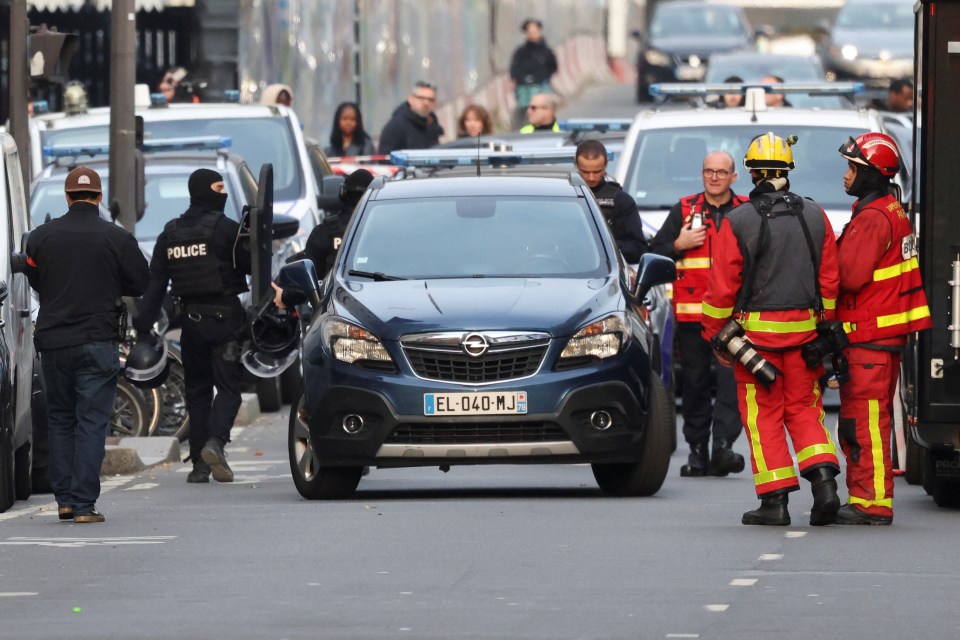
point(463, 237)
point(666, 163)
point(256, 140)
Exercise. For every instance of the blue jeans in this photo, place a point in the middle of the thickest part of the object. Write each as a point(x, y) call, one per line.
point(81, 386)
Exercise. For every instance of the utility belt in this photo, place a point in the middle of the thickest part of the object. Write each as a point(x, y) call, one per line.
point(198, 312)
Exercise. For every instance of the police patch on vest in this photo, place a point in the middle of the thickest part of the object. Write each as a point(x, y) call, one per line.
point(605, 202)
point(187, 251)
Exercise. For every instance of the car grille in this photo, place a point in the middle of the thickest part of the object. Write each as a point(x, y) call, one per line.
point(477, 433)
point(494, 366)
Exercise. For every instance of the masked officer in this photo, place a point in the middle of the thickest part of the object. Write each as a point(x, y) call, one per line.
point(324, 239)
point(881, 301)
point(774, 277)
point(688, 236)
point(201, 255)
point(619, 209)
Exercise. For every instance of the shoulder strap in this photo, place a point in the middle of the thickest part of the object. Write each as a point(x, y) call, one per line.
point(796, 206)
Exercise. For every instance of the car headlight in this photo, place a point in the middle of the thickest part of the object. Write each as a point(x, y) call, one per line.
point(349, 342)
point(601, 339)
point(849, 52)
point(657, 58)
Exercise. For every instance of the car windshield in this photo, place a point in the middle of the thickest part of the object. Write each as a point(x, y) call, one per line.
point(695, 20)
point(792, 69)
point(457, 237)
point(666, 163)
point(885, 15)
point(256, 140)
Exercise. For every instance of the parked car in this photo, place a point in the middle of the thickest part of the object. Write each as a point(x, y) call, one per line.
point(481, 320)
point(871, 40)
point(751, 66)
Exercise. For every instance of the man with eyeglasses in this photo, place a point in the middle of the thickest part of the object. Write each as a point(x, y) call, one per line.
point(541, 114)
point(688, 235)
point(413, 124)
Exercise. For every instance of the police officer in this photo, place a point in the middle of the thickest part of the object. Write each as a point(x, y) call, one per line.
point(688, 236)
point(773, 277)
point(619, 209)
point(201, 255)
point(80, 266)
point(325, 238)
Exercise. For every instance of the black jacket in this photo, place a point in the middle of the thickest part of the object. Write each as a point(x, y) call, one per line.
point(625, 224)
point(533, 63)
point(81, 265)
point(407, 130)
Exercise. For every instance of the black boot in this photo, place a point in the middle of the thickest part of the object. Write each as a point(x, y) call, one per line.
point(697, 462)
point(200, 473)
point(724, 460)
point(772, 511)
point(826, 503)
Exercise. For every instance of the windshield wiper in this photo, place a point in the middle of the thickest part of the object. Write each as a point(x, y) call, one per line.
point(376, 276)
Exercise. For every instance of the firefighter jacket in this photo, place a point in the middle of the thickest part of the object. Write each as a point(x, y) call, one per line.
point(779, 310)
point(693, 265)
point(881, 294)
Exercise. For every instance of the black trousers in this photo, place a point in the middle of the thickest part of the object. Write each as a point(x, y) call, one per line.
point(211, 360)
point(697, 409)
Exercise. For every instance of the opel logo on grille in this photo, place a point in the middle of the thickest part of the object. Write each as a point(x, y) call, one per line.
point(474, 344)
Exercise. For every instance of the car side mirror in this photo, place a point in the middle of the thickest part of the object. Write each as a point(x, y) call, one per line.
point(300, 277)
point(284, 226)
point(329, 197)
point(652, 270)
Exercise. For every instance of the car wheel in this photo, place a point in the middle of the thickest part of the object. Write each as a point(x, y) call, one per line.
point(646, 476)
point(40, 469)
point(7, 495)
point(269, 394)
point(291, 383)
point(945, 492)
point(129, 417)
point(313, 481)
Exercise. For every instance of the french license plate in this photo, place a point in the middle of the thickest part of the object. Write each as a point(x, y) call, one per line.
point(475, 404)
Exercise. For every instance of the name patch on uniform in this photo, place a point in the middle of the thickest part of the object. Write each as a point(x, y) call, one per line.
point(908, 247)
point(187, 251)
point(605, 202)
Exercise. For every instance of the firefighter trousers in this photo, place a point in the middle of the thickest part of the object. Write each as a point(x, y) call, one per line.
point(792, 405)
point(866, 408)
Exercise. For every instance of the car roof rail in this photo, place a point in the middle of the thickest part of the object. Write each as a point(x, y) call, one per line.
point(423, 158)
point(704, 89)
point(198, 143)
point(597, 125)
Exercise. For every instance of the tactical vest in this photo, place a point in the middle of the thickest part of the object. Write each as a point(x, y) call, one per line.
point(693, 269)
point(195, 269)
point(893, 303)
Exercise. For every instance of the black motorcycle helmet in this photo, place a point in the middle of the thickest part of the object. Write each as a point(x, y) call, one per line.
point(147, 365)
point(274, 338)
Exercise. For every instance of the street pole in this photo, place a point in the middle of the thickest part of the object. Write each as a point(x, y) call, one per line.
point(123, 71)
point(357, 86)
point(19, 88)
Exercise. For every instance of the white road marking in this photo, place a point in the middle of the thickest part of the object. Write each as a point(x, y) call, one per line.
point(716, 607)
point(795, 534)
point(17, 594)
point(770, 556)
point(50, 508)
point(73, 543)
point(683, 635)
point(142, 486)
point(743, 582)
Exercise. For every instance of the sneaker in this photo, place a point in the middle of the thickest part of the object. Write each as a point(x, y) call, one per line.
point(88, 516)
point(65, 513)
point(200, 473)
point(213, 454)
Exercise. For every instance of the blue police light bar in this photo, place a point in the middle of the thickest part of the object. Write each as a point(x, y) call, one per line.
point(199, 143)
point(158, 100)
point(598, 125)
point(700, 89)
point(467, 157)
point(231, 95)
point(40, 107)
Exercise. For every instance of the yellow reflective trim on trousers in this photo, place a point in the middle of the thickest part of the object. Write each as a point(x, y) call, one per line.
point(689, 307)
point(773, 326)
point(876, 449)
point(716, 312)
point(829, 303)
point(751, 424)
point(774, 474)
point(886, 502)
point(693, 263)
point(815, 450)
point(895, 270)
point(917, 313)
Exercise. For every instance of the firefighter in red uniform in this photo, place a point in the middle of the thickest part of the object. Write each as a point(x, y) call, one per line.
point(688, 236)
point(881, 301)
point(774, 278)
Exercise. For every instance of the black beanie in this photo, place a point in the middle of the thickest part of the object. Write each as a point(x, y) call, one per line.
point(354, 185)
point(201, 195)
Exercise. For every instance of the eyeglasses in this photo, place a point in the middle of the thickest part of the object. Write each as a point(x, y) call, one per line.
point(426, 98)
point(723, 174)
point(534, 107)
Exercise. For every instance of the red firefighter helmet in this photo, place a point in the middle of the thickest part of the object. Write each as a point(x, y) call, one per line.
point(877, 150)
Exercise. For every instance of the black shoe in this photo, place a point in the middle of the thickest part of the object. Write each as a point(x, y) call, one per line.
point(200, 473)
point(772, 512)
point(724, 460)
point(849, 514)
point(65, 513)
point(88, 516)
point(825, 499)
point(212, 453)
point(697, 462)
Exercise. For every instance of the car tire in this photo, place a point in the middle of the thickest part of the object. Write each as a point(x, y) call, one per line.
point(946, 493)
point(313, 481)
point(269, 394)
point(40, 469)
point(7, 494)
point(646, 476)
point(291, 384)
point(22, 478)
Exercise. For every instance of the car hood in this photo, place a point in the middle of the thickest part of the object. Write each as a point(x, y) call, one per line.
point(554, 305)
point(702, 46)
point(898, 43)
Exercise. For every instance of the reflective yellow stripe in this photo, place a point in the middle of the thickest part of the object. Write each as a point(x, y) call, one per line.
point(885, 502)
point(903, 318)
point(893, 271)
point(774, 326)
point(876, 448)
point(816, 450)
point(829, 303)
point(752, 411)
point(849, 327)
point(774, 474)
point(693, 263)
point(689, 307)
point(716, 312)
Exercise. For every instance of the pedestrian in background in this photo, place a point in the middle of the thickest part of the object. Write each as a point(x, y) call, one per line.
point(277, 94)
point(531, 66)
point(413, 124)
point(689, 236)
point(171, 79)
point(474, 121)
point(200, 255)
point(731, 100)
point(81, 266)
point(347, 136)
point(774, 99)
point(773, 278)
point(899, 97)
point(881, 302)
point(541, 114)
point(619, 209)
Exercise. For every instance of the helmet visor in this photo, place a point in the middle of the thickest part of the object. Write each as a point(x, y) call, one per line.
point(852, 151)
point(266, 366)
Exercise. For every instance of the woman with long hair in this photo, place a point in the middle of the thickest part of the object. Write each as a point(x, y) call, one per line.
point(348, 137)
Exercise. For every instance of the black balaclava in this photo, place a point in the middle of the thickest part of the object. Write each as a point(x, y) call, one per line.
point(868, 181)
point(201, 195)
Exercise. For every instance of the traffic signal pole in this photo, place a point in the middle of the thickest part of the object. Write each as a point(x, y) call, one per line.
point(123, 32)
point(19, 88)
